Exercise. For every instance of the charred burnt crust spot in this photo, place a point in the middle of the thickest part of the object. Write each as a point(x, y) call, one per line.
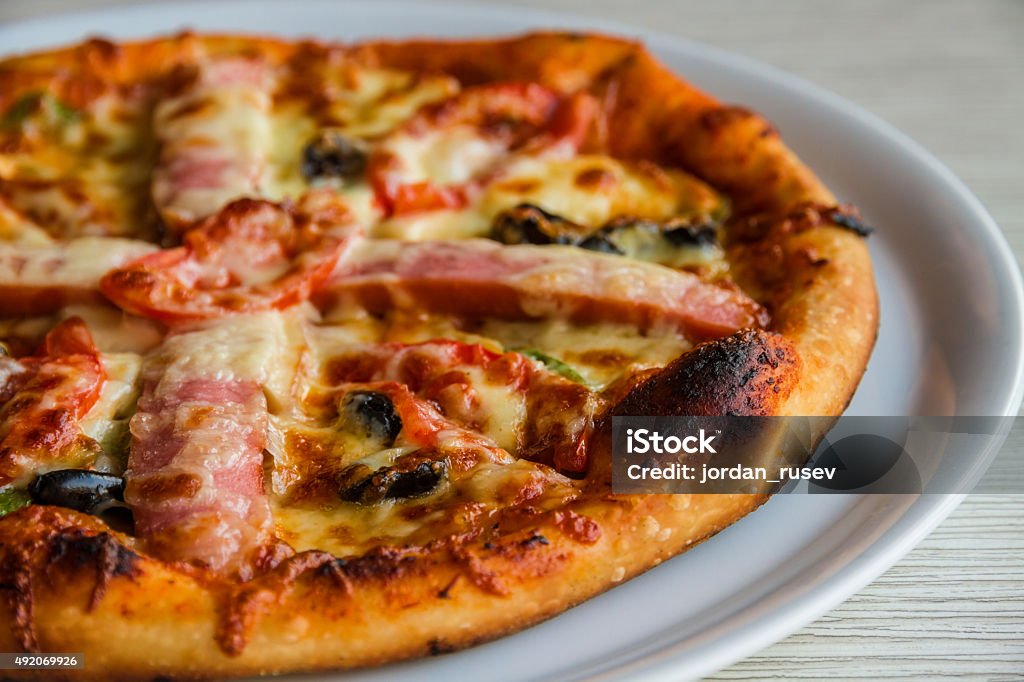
point(81, 549)
point(437, 647)
point(16, 589)
point(110, 558)
point(331, 568)
point(847, 217)
point(748, 373)
point(381, 563)
point(534, 539)
point(773, 226)
point(446, 591)
point(243, 606)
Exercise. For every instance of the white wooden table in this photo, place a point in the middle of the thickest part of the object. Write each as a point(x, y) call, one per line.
point(951, 74)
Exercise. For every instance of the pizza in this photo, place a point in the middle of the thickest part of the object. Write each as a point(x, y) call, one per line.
point(311, 350)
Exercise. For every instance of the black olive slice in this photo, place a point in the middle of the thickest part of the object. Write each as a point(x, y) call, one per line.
point(92, 492)
point(677, 232)
point(602, 243)
point(332, 155)
point(850, 222)
point(529, 224)
point(390, 483)
point(671, 242)
point(374, 413)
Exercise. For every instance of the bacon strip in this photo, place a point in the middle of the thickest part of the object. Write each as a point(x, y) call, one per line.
point(482, 278)
point(214, 133)
point(36, 280)
point(195, 471)
point(43, 398)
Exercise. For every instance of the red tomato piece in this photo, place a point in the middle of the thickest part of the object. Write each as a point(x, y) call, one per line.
point(559, 411)
point(43, 397)
point(510, 116)
point(252, 255)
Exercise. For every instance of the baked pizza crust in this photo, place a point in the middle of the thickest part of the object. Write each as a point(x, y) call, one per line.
point(72, 584)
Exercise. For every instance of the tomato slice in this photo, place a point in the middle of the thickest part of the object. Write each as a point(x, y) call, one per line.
point(252, 255)
point(398, 197)
point(425, 426)
point(43, 397)
point(464, 138)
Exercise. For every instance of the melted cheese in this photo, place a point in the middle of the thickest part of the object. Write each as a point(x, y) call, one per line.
point(357, 103)
point(345, 529)
point(590, 190)
point(115, 331)
point(348, 529)
point(107, 421)
point(372, 102)
point(214, 137)
point(79, 263)
point(601, 353)
point(267, 348)
point(16, 229)
point(82, 172)
point(449, 156)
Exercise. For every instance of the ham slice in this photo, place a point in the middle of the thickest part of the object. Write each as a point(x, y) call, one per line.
point(214, 134)
point(40, 279)
point(195, 477)
point(482, 278)
point(195, 471)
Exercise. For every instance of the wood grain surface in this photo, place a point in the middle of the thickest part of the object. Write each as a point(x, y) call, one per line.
point(951, 74)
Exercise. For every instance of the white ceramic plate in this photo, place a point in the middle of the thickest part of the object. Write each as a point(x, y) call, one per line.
point(950, 343)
